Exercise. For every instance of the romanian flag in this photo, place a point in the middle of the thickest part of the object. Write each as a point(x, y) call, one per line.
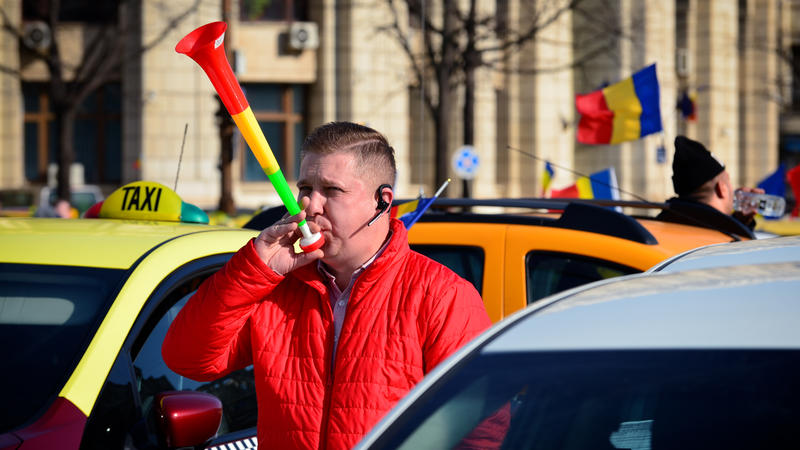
point(410, 212)
point(625, 111)
point(547, 177)
point(688, 106)
point(403, 209)
point(602, 185)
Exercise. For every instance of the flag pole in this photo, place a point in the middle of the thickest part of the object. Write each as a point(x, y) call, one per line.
point(425, 205)
point(441, 188)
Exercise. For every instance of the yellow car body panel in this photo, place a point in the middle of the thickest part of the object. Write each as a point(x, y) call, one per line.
point(112, 244)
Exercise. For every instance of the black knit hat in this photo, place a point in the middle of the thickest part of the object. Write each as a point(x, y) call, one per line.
point(692, 166)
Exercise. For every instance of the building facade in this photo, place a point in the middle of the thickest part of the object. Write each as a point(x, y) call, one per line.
point(306, 62)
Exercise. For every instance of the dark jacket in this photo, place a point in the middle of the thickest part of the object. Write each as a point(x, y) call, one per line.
point(690, 212)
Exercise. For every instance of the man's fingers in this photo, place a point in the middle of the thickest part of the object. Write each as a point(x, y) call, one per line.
point(277, 231)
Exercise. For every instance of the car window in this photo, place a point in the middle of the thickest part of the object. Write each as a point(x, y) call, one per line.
point(466, 261)
point(611, 399)
point(122, 414)
point(236, 391)
point(47, 314)
point(549, 272)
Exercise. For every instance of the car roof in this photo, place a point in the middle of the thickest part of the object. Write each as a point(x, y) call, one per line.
point(720, 307)
point(759, 251)
point(108, 243)
point(591, 215)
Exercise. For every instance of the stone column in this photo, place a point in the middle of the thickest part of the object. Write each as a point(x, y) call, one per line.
point(760, 92)
point(12, 151)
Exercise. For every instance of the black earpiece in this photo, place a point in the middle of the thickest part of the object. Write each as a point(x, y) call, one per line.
point(381, 202)
point(383, 205)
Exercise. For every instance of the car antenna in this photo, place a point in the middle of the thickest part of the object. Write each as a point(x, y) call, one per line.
point(180, 157)
point(695, 220)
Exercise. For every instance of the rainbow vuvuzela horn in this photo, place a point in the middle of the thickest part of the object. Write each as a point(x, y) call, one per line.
point(204, 46)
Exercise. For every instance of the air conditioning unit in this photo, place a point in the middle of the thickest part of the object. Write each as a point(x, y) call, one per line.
point(303, 36)
point(682, 62)
point(36, 35)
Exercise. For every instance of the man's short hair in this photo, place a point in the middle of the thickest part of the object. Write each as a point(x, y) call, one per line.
point(374, 155)
point(693, 166)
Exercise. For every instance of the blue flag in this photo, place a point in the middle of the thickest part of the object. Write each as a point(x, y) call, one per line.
point(775, 183)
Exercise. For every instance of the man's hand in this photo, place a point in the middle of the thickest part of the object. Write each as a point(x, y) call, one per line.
point(275, 245)
point(748, 217)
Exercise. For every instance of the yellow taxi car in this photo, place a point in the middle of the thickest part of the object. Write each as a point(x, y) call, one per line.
point(515, 259)
point(84, 307)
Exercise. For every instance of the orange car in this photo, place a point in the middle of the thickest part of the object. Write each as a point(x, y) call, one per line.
point(514, 259)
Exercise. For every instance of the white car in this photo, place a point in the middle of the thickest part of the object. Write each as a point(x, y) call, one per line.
point(760, 251)
point(706, 358)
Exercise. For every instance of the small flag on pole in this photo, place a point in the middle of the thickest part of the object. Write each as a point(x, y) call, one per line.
point(600, 185)
point(547, 177)
point(688, 106)
point(410, 212)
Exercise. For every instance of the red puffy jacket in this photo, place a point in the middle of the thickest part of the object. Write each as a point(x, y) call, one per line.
point(406, 314)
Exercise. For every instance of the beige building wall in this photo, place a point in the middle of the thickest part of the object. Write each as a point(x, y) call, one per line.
point(175, 93)
point(649, 178)
point(322, 108)
point(554, 110)
point(485, 135)
point(760, 92)
point(716, 65)
point(12, 169)
point(518, 88)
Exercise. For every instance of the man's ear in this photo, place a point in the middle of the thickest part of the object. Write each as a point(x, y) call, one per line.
point(386, 196)
point(721, 189)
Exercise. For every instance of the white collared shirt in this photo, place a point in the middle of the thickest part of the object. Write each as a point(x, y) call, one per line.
point(339, 298)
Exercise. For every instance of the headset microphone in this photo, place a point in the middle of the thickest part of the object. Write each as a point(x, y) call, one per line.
point(383, 205)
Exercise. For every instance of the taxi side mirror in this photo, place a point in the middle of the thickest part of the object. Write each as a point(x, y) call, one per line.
point(187, 418)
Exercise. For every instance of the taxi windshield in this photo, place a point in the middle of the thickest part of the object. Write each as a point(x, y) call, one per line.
point(47, 316)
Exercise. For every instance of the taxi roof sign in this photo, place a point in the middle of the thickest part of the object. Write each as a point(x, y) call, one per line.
point(147, 200)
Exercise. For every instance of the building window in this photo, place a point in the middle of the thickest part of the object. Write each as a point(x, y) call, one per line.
point(274, 10)
point(86, 11)
point(279, 110)
point(97, 135)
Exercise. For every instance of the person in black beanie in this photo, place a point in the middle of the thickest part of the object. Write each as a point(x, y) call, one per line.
point(704, 191)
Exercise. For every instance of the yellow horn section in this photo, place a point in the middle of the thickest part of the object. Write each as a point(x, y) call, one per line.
point(252, 133)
